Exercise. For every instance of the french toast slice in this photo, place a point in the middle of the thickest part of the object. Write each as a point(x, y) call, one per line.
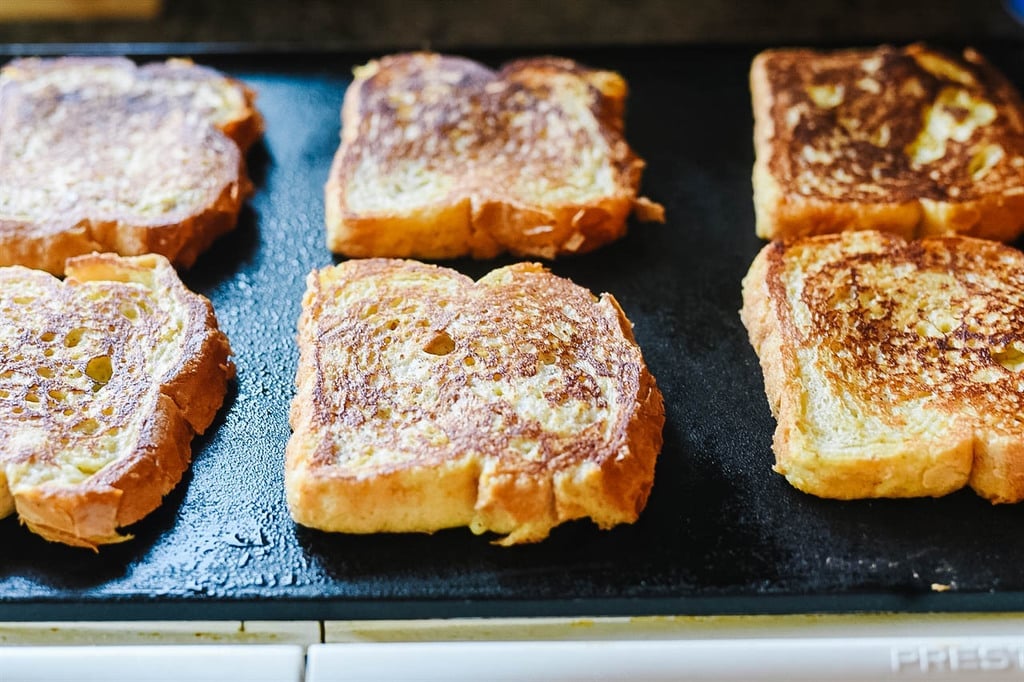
point(97, 154)
point(426, 400)
point(893, 367)
point(909, 140)
point(105, 379)
point(441, 157)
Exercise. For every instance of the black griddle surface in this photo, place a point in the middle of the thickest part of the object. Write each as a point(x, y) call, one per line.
point(721, 534)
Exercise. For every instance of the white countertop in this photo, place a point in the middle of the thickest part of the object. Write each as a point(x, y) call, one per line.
point(751, 648)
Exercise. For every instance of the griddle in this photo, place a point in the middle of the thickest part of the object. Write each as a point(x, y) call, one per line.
point(721, 534)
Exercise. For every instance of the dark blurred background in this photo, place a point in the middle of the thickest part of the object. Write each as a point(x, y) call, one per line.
point(452, 24)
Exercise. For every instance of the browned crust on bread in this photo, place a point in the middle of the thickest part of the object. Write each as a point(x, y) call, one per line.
point(172, 406)
point(840, 144)
point(365, 457)
point(180, 241)
point(466, 142)
point(90, 514)
point(920, 413)
point(203, 121)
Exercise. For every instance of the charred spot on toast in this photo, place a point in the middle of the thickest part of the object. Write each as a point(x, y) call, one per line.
point(508, 341)
point(454, 117)
point(891, 125)
point(936, 317)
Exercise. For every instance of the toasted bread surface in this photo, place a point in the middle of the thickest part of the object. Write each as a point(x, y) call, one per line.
point(893, 367)
point(97, 154)
point(441, 157)
point(426, 400)
point(106, 377)
point(909, 140)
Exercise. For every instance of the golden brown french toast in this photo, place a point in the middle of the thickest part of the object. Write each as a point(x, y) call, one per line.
point(426, 401)
point(441, 157)
point(97, 154)
point(893, 367)
point(105, 378)
point(909, 140)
